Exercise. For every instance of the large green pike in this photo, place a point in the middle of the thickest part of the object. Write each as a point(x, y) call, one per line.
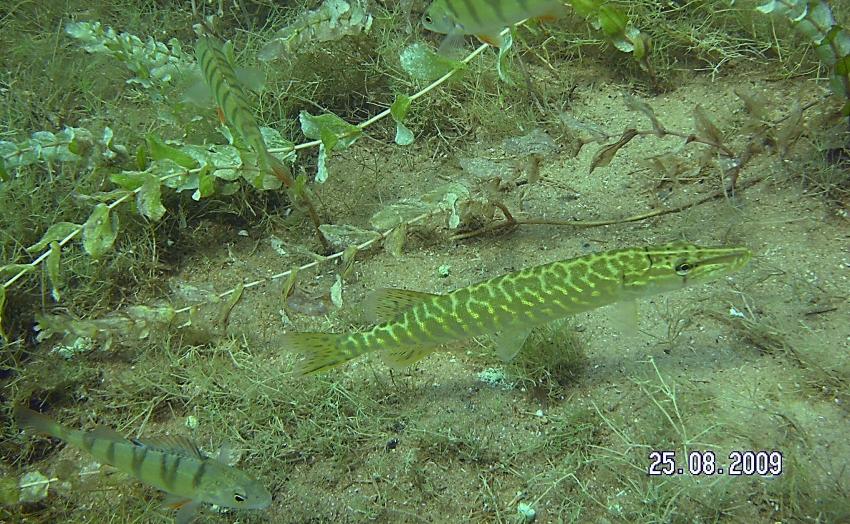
point(173, 464)
point(418, 323)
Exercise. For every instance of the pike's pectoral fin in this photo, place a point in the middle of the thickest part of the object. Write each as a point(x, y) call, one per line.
point(385, 303)
point(624, 317)
point(509, 342)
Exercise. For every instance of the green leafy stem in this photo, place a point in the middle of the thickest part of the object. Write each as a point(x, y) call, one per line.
point(814, 20)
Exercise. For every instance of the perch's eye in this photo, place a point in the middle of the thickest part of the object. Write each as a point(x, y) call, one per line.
point(238, 497)
point(683, 268)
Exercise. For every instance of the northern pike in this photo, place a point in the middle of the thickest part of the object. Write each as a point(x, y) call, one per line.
point(172, 464)
point(417, 323)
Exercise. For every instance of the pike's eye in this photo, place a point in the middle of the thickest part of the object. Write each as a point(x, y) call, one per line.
point(238, 497)
point(683, 268)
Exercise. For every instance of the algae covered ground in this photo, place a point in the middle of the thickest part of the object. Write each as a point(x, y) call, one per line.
point(752, 151)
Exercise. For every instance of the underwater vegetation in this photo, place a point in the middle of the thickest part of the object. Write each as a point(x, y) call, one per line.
point(209, 207)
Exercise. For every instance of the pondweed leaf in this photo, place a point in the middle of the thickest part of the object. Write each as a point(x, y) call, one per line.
point(33, 486)
point(333, 131)
point(817, 24)
point(174, 176)
point(612, 21)
point(336, 292)
point(333, 20)
point(227, 162)
point(148, 199)
point(2, 304)
point(705, 128)
point(129, 180)
point(55, 232)
point(394, 243)
point(100, 231)
point(289, 283)
point(503, 64)
point(14, 269)
point(403, 135)
point(348, 257)
point(274, 140)
point(341, 236)
point(322, 164)
point(585, 7)
point(206, 184)
point(160, 151)
point(423, 64)
point(605, 154)
point(636, 104)
point(795, 9)
point(53, 273)
point(399, 212)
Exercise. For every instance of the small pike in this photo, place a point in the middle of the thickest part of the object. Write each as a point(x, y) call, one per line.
point(515, 302)
point(173, 464)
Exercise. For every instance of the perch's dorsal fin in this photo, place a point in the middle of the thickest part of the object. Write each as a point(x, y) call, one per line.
point(172, 444)
point(108, 433)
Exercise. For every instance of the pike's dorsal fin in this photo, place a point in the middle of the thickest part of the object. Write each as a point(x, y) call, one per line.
point(107, 433)
point(509, 342)
point(385, 303)
point(172, 444)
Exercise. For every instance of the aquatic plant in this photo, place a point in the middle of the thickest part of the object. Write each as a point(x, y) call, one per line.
point(814, 20)
point(153, 63)
point(569, 440)
point(204, 171)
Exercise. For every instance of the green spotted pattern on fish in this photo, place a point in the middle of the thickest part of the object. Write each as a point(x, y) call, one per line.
point(511, 304)
point(485, 18)
point(173, 464)
point(216, 63)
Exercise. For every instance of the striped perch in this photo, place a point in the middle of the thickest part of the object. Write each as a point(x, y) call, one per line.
point(484, 18)
point(174, 465)
point(216, 61)
point(512, 304)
